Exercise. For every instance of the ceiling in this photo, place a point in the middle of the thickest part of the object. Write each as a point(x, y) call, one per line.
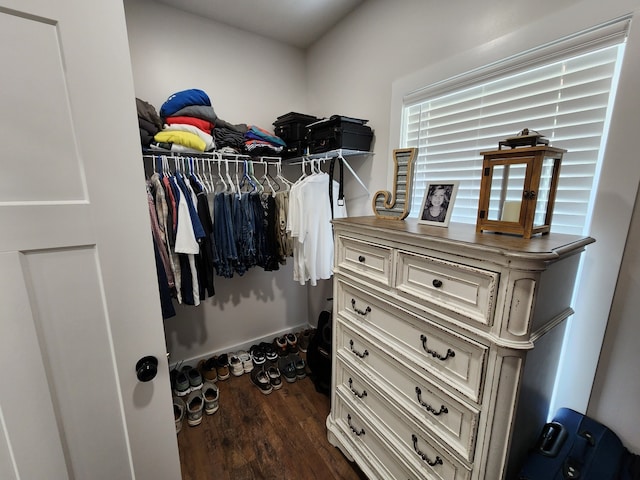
point(295, 22)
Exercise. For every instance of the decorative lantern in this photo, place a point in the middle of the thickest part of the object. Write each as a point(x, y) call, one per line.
point(518, 188)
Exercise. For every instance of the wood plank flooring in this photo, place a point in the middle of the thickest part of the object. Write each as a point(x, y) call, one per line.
point(255, 436)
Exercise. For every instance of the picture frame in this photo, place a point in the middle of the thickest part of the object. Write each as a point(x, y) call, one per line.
point(437, 204)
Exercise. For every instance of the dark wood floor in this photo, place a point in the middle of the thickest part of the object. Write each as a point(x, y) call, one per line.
point(255, 436)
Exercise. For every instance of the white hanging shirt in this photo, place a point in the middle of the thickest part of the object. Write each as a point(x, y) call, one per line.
point(310, 226)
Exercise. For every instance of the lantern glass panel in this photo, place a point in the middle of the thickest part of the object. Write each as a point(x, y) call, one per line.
point(507, 186)
point(544, 191)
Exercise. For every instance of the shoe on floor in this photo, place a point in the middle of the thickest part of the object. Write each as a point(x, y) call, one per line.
point(247, 363)
point(292, 339)
point(281, 345)
point(208, 370)
point(195, 407)
point(222, 366)
point(303, 339)
point(299, 364)
point(270, 351)
point(211, 395)
point(257, 354)
point(178, 412)
point(275, 378)
point(261, 380)
point(287, 368)
point(235, 365)
point(181, 386)
point(195, 379)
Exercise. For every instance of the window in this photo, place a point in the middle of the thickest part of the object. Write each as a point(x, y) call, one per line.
point(563, 90)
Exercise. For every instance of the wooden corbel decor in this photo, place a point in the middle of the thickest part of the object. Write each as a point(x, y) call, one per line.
point(397, 205)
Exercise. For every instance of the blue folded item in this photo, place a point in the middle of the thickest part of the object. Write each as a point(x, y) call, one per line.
point(183, 99)
point(258, 133)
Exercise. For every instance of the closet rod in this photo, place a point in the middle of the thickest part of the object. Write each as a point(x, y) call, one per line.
point(231, 157)
point(320, 157)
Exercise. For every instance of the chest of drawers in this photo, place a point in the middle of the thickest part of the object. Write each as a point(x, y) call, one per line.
point(446, 344)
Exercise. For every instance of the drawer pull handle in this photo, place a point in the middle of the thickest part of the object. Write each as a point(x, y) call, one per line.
point(431, 463)
point(433, 353)
point(361, 259)
point(357, 310)
point(353, 429)
point(429, 408)
point(355, 392)
point(436, 283)
point(361, 355)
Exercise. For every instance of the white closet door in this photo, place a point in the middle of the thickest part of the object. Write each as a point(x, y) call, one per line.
point(78, 294)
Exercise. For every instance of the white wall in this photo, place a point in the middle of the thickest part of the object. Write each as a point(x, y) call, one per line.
point(385, 47)
point(615, 400)
point(250, 79)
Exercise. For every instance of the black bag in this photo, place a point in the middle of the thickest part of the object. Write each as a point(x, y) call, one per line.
point(574, 446)
point(319, 354)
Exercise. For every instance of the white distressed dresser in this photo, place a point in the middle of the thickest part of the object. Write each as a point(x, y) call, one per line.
point(446, 344)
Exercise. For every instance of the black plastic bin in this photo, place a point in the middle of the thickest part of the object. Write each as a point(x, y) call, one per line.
point(339, 132)
point(292, 129)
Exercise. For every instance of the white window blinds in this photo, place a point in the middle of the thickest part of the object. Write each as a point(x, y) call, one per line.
point(566, 96)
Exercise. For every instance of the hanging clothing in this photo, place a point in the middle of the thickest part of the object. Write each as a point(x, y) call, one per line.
point(206, 260)
point(309, 222)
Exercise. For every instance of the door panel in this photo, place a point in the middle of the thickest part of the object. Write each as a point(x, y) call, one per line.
point(72, 323)
point(78, 293)
point(35, 92)
point(28, 419)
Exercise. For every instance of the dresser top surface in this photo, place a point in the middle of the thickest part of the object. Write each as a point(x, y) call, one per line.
point(542, 247)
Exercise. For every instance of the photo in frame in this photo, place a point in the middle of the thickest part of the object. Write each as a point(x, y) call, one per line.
point(437, 204)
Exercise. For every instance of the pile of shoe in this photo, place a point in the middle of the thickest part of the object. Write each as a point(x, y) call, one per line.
point(195, 390)
point(276, 360)
point(200, 395)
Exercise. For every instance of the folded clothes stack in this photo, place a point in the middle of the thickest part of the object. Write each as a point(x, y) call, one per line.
point(259, 141)
point(189, 120)
point(149, 122)
point(188, 124)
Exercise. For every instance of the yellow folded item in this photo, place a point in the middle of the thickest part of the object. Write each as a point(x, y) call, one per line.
point(183, 138)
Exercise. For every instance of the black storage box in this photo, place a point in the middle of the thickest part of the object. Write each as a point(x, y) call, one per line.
point(292, 127)
point(339, 132)
point(294, 149)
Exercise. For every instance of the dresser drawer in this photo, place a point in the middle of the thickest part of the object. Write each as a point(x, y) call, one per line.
point(427, 457)
point(463, 289)
point(368, 260)
point(447, 418)
point(455, 359)
point(373, 451)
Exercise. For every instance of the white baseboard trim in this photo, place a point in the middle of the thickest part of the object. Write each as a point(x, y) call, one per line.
point(193, 361)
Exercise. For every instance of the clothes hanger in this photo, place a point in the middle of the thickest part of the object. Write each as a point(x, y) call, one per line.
point(245, 181)
point(285, 182)
point(230, 184)
point(206, 169)
point(238, 189)
point(200, 176)
point(254, 181)
point(193, 172)
point(266, 178)
point(304, 170)
point(220, 178)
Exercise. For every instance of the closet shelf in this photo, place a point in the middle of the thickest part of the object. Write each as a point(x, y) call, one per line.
point(338, 153)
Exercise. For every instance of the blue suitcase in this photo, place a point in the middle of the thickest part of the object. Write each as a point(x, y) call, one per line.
point(573, 446)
